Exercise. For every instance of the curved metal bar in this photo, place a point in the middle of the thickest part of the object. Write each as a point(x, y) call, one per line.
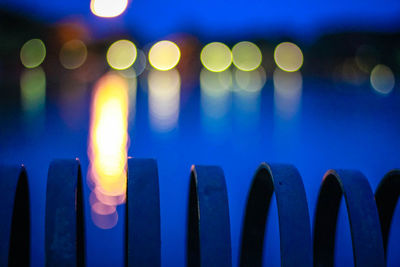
point(15, 217)
point(208, 232)
point(64, 231)
point(386, 197)
point(142, 217)
point(363, 217)
point(293, 216)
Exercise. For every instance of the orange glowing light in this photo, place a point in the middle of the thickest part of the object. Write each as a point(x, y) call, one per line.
point(109, 143)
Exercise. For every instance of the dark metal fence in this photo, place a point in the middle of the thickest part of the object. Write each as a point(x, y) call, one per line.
point(208, 236)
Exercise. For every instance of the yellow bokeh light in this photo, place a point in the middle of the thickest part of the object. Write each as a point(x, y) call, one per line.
point(33, 89)
point(164, 97)
point(382, 79)
point(216, 57)
point(73, 54)
point(121, 54)
point(288, 57)
point(164, 55)
point(246, 56)
point(108, 135)
point(33, 53)
point(108, 8)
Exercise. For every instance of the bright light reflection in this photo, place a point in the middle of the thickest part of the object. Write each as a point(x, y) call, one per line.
point(382, 79)
point(131, 77)
point(247, 100)
point(108, 8)
point(164, 97)
point(216, 57)
point(104, 221)
point(33, 90)
point(140, 63)
point(246, 56)
point(108, 145)
point(215, 92)
point(33, 53)
point(103, 209)
point(250, 81)
point(121, 54)
point(288, 57)
point(164, 55)
point(287, 93)
point(73, 54)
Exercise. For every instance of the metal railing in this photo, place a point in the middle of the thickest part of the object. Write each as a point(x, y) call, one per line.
point(208, 231)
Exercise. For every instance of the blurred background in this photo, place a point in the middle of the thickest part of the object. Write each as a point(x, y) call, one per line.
point(310, 83)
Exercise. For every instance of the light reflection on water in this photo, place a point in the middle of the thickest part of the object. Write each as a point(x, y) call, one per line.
point(164, 97)
point(33, 99)
point(287, 93)
point(215, 92)
point(108, 146)
point(247, 97)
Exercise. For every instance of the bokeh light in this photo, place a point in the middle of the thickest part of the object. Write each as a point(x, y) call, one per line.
point(215, 92)
point(250, 81)
point(246, 56)
point(33, 90)
point(131, 78)
point(382, 79)
point(164, 97)
point(366, 58)
point(247, 98)
point(109, 134)
point(73, 54)
point(216, 57)
point(104, 221)
point(287, 93)
point(288, 57)
point(351, 73)
point(108, 145)
point(108, 8)
point(33, 53)
point(121, 54)
point(140, 63)
point(164, 55)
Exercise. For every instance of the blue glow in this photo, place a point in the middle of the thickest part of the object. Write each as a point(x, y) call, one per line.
point(220, 19)
point(360, 131)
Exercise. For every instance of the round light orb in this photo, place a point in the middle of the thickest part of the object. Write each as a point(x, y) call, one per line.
point(382, 79)
point(73, 54)
point(216, 57)
point(108, 8)
point(246, 56)
point(33, 53)
point(288, 57)
point(164, 55)
point(121, 54)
